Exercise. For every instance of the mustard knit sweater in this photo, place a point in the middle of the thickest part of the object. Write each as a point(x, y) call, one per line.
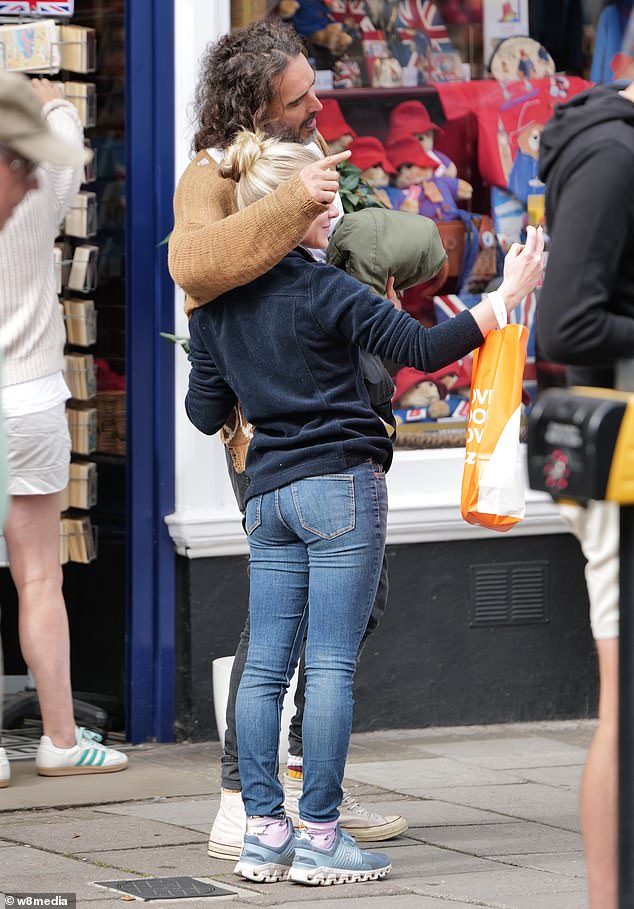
point(214, 248)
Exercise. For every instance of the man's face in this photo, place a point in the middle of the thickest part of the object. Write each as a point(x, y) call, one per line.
point(16, 180)
point(292, 112)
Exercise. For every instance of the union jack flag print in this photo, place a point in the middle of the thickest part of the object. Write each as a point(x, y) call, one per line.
point(422, 15)
point(36, 8)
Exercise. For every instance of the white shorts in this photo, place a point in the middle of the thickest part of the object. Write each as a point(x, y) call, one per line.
point(597, 529)
point(38, 452)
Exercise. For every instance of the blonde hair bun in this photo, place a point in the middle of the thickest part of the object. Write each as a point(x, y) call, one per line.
point(258, 165)
point(243, 154)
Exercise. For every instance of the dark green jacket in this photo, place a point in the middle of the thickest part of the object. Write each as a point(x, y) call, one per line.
point(372, 245)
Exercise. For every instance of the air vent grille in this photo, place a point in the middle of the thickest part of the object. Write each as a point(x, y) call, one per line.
point(511, 593)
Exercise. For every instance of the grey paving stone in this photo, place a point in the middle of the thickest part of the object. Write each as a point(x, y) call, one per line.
point(421, 859)
point(421, 776)
point(570, 864)
point(499, 886)
point(164, 861)
point(195, 814)
point(404, 901)
point(565, 777)
point(35, 871)
point(577, 900)
point(421, 813)
point(503, 753)
point(525, 801)
point(100, 835)
point(145, 778)
point(494, 839)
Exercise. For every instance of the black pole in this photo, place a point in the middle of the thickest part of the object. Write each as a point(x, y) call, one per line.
point(626, 710)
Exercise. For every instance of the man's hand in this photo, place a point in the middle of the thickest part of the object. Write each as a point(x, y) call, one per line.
point(321, 178)
point(46, 91)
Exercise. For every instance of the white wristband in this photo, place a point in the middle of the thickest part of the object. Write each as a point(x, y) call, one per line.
point(498, 306)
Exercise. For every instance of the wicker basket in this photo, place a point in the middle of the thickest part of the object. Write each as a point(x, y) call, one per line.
point(111, 422)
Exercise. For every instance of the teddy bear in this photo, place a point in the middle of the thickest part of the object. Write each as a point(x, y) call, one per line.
point(416, 188)
point(412, 118)
point(332, 125)
point(369, 155)
point(415, 389)
point(311, 19)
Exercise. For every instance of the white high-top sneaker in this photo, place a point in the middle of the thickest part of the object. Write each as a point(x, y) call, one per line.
point(364, 825)
point(227, 833)
point(5, 769)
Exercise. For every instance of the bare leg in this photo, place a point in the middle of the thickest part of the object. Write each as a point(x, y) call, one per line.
point(32, 535)
point(599, 787)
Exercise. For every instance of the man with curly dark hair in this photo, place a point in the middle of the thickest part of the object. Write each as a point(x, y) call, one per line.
point(257, 77)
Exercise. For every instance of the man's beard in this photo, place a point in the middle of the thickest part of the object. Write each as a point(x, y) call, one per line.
point(284, 134)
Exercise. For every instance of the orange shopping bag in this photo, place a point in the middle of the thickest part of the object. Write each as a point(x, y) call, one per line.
point(493, 478)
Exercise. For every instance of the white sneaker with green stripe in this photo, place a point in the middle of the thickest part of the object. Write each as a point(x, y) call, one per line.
point(87, 756)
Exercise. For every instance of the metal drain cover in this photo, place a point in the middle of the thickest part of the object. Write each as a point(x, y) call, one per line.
point(166, 888)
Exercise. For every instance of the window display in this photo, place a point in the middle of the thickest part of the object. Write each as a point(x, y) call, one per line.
point(425, 139)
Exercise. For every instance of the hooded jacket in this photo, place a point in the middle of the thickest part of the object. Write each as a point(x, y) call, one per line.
point(586, 308)
point(373, 245)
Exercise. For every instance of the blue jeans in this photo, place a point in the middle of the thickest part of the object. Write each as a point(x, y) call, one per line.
point(316, 552)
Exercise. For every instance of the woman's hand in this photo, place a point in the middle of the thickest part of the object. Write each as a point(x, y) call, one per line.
point(391, 294)
point(321, 178)
point(523, 268)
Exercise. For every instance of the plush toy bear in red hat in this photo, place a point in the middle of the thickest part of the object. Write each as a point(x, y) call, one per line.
point(412, 118)
point(413, 388)
point(333, 127)
point(420, 191)
point(369, 155)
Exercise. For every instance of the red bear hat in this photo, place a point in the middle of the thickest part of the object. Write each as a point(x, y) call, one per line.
point(331, 122)
point(408, 150)
point(367, 151)
point(412, 117)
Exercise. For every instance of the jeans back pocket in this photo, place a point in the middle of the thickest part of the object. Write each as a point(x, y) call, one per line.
point(325, 505)
point(253, 514)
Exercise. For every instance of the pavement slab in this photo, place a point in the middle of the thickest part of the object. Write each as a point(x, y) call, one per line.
point(98, 835)
point(195, 814)
point(493, 839)
point(511, 753)
point(501, 886)
point(422, 776)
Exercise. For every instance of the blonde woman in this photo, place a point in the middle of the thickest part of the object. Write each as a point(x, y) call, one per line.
point(287, 346)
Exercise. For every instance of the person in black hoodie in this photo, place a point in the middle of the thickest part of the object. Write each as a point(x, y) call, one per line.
point(586, 321)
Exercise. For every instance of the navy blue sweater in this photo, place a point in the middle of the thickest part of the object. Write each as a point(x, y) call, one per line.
point(287, 346)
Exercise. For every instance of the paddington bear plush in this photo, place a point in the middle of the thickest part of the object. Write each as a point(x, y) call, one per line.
point(333, 127)
point(415, 389)
point(369, 155)
point(311, 19)
point(416, 187)
point(412, 118)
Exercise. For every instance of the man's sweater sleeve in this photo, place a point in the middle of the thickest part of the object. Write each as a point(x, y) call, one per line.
point(209, 399)
point(575, 325)
point(213, 248)
point(347, 310)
